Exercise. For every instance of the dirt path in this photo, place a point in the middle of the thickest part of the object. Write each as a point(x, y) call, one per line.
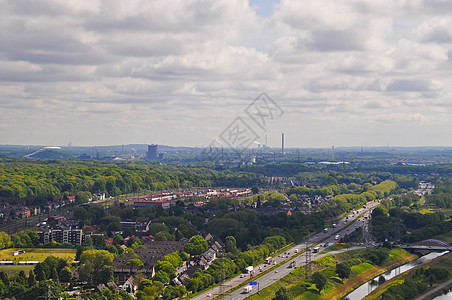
point(434, 290)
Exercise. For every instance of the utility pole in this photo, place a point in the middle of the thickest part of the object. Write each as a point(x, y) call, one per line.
point(308, 261)
point(222, 287)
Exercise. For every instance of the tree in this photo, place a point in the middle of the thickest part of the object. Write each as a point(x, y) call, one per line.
point(118, 240)
point(320, 280)
point(184, 256)
point(34, 237)
point(88, 241)
point(231, 245)
point(78, 252)
point(82, 197)
point(164, 236)
point(161, 277)
point(101, 243)
point(47, 289)
point(255, 190)
point(197, 245)
point(166, 267)
point(282, 294)
point(31, 278)
point(105, 274)
point(22, 278)
point(81, 214)
point(134, 262)
point(40, 271)
point(92, 262)
point(65, 274)
point(4, 278)
point(343, 270)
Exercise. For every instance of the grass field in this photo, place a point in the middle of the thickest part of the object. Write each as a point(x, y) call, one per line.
point(33, 254)
point(11, 270)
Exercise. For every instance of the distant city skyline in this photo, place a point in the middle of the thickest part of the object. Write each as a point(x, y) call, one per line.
point(343, 73)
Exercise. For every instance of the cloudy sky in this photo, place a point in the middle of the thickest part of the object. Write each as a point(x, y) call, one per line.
point(179, 72)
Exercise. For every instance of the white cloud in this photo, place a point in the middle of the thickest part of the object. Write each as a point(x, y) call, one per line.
point(182, 70)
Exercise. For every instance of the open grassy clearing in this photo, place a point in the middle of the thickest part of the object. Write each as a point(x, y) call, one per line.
point(32, 254)
point(15, 269)
point(36, 254)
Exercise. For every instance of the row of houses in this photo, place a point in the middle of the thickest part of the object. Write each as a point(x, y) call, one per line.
point(154, 251)
point(168, 199)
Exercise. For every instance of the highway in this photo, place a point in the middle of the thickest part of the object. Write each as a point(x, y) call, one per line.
point(282, 270)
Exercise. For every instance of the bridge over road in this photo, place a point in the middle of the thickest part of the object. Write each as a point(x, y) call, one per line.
point(427, 245)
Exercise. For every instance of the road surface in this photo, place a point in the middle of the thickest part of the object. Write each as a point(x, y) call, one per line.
point(283, 270)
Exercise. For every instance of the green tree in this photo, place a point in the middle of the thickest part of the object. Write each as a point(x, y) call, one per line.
point(166, 267)
point(105, 274)
point(162, 277)
point(65, 274)
point(22, 278)
point(118, 240)
point(88, 241)
point(34, 237)
point(196, 245)
point(231, 245)
point(31, 278)
point(47, 289)
point(82, 197)
point(100, 242)
point(164, 236)
point(320, 280)
point(41, 270)
point(255, 190)
point(91, 263)
point(81, 214)
point(343, 270)
point(282, 294)
point(134, 262)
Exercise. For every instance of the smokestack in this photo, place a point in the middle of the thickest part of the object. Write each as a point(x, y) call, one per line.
point(282, 143)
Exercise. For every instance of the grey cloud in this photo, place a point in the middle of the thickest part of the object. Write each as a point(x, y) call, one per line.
point(336, 40)
point(410, 85)
point(186, 17)
point(35, 8)
point(438, 35)
point(48, 74)
point(437, 7)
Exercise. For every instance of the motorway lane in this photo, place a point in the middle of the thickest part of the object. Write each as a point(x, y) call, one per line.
point(283, 270)
point(270, 278)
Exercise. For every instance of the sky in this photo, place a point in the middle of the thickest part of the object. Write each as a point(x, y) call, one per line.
point(226, 72)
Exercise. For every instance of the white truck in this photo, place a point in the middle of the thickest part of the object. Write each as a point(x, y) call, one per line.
point(247, 289)
point(337, 237)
